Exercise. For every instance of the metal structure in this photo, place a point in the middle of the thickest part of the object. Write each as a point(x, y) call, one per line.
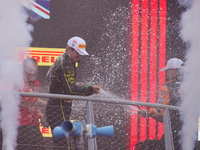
point(92, 99)
point(81, 132)
point(92, 144)
point(167, 130)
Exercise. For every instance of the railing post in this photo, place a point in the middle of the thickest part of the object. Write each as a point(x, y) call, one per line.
point(92, 144)
point(169, 145)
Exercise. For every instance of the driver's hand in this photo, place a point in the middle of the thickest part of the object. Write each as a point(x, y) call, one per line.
point(96, 89)
point(143, 113)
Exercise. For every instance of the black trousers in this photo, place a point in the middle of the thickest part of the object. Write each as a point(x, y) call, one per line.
point(58, 111)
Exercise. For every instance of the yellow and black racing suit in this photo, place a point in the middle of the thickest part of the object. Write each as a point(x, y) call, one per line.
point(61, 77)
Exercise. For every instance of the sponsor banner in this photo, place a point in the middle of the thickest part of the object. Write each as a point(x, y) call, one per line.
point(44, 56)
point(46, 132)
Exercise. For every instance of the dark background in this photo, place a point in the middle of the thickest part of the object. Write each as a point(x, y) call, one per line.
point(88, 19)
point(175, 47)
point(105, 25)
point(85, 18)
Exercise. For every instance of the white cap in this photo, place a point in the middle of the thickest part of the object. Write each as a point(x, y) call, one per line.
point(78, 44)
point(173, 63)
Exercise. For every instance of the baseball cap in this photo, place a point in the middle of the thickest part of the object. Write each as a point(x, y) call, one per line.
point(78, 44)
point(173, 63)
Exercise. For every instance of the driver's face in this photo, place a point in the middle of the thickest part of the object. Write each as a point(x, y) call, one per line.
point(171, 73)
point(74, 55)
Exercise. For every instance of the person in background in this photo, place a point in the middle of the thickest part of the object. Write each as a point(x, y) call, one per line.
point(169, 95)
point(61, 77)
point(29, 135)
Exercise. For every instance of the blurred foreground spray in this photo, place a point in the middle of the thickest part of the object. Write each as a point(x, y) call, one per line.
point(190, 33)
point(14, 33)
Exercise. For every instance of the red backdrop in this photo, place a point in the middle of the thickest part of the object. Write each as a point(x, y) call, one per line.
point(148, 57)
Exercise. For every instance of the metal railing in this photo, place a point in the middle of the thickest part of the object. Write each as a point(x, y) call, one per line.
point(94, 99)
point(92, 143)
